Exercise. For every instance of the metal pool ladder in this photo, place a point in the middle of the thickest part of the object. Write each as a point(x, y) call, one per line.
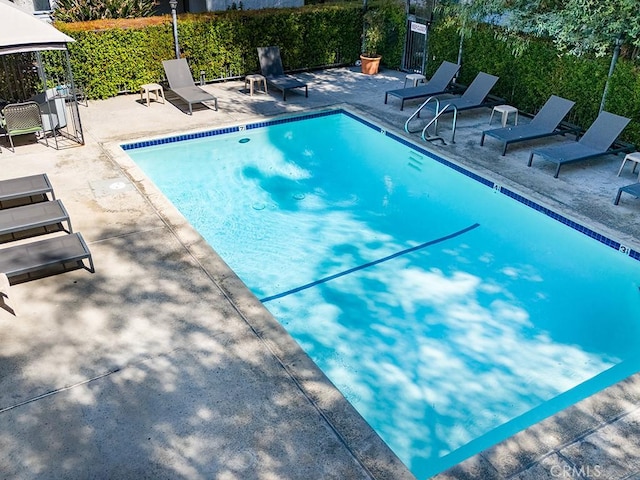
point(433, 121)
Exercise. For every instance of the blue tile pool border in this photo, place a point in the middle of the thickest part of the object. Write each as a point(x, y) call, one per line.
point(498, 188)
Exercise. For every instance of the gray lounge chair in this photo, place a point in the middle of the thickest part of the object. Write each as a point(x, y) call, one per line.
point(595, 142)
point(438, 83)
point(473, 97)
point(544, 124)
point(272, 69)
point(34, 216)
point(633, 189)
point(25, 189)
point(64, 251)
point(181, 83)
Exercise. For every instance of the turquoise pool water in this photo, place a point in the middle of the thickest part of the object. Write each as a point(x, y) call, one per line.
point(450, 312)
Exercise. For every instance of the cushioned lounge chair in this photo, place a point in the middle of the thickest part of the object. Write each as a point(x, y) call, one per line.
point(25, 189)
point(181, 83)
point(272, 69)
point(438, 83)
point(633, 189)
point(544, 124)
point(34, 216)
point(595, 142)
point(63, 251)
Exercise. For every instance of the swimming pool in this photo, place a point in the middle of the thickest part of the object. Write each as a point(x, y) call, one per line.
point(451, 312)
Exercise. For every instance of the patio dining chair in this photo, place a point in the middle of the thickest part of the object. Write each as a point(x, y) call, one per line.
point(21, 119)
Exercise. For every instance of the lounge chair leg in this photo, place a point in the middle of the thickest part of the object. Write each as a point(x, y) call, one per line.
point(504, 149)
point(482, 139)
point(530, 159)
point(385, 98)
point(615, 202)
point(557, 171)
point(306, 91)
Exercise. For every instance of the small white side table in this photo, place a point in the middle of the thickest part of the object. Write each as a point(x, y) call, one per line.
point(255, 78)
point(149, 88)
point(415, 79)
point(505, 110)
point(631, 157)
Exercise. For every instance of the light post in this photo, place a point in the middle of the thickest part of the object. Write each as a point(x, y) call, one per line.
point(174, 4)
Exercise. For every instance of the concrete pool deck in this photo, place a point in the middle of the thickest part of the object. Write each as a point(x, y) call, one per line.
point(162, 365)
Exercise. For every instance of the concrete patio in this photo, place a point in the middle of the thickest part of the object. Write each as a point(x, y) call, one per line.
point(163, 365)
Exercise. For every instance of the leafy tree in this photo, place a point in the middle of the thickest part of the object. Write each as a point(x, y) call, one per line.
point(577, 27)
point(85, 10)
point(465, 15)
point(580, 26)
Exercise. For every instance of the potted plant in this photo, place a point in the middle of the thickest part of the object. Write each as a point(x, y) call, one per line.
point(372, 40)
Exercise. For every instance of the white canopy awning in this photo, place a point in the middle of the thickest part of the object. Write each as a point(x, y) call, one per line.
point(22, 32)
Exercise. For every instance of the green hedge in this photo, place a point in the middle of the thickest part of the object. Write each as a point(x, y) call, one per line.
point(121, 56)
point(111, 60)
point(527, 81)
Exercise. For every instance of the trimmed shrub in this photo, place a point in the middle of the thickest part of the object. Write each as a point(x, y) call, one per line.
point(528, 80)
point(119, 55)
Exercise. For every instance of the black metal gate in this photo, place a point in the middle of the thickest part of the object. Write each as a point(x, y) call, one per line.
point(415, 45)
point(416, 49)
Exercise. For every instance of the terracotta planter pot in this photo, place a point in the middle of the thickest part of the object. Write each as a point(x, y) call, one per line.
point(370, 65)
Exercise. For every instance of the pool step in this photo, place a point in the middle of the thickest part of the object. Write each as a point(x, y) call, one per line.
point(415, 160)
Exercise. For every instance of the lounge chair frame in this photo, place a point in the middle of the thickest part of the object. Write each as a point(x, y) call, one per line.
point(475, 96)
point(544, 124)
point(34, 216)
point(181, 83)
point(272, 69)
point(38, 256)
point(597, 141)
point(633, 189)
point(30, 188)
point(437, 84)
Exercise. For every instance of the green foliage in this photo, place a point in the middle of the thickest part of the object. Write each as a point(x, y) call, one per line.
point(108, 59)
point(578, 26)
point(107, 62)
point(466, 15)
point(384, 28)
point(84, 10)
point(19, 77)
point(120, 57)
point(528, 80)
